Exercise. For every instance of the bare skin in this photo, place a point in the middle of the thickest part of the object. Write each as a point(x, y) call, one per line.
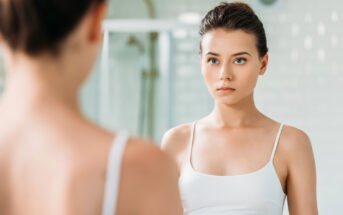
point(52, 159)
point(236, 138)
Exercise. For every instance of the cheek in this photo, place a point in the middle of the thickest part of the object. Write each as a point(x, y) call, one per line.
point(249, 79)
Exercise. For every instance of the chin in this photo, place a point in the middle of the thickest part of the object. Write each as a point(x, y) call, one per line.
point(227, 101)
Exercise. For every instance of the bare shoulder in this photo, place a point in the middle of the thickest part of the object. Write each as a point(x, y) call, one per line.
point(295, 145)
point(294, 139)
point(144, 155)
point(148, 172)
point(176, 139)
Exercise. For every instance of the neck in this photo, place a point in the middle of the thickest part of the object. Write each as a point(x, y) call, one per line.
point(38, 81)
point(236, 115)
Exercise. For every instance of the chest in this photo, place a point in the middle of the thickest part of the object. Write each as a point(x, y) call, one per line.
point(231, 152)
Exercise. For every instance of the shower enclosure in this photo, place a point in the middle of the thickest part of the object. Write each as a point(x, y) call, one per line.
point(136, 79)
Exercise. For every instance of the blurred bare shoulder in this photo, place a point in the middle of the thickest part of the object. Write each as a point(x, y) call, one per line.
point(149, 180)
point(145, 155)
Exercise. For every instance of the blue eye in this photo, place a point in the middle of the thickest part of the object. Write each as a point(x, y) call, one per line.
point(240, 61)
point(213, 61)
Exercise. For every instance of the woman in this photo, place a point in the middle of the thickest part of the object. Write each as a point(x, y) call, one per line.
point(236, 160)
point(52, 159)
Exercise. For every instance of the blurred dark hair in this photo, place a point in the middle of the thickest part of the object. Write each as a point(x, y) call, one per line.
point(234, 16)
point(34, 26)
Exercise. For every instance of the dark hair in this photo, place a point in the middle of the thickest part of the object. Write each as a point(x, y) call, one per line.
point(34, 26)
point(234, 16)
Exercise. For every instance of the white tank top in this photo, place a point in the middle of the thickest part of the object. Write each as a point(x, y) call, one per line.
point(256, 193)
point(113, 173)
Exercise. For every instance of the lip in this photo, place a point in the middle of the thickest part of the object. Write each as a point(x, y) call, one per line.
point(226, 89)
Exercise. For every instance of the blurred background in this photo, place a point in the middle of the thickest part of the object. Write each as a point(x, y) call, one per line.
point(147, 78)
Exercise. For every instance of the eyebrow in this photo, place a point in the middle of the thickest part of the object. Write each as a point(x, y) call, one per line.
point(212, 53)
point(236, 54)
point(241, 53)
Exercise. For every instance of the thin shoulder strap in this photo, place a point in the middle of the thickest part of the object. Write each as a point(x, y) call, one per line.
point(276, 142)
point(113, 173)
point(191, 142)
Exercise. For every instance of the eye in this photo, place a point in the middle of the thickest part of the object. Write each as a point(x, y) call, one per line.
point(240, 61)
point(213, 61)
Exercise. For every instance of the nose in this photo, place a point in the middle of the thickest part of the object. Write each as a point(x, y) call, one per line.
point(226, 73)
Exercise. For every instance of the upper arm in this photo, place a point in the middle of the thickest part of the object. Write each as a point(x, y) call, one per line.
point(149, 183)
point(301, 177)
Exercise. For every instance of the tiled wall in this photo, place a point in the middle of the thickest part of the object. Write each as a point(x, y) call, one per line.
point(304, 85)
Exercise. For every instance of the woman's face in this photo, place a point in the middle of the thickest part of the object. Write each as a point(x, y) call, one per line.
point(230, 64)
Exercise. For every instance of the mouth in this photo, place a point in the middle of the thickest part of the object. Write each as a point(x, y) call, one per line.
point(226, 89)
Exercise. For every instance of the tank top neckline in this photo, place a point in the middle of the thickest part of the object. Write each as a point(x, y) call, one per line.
point(255, 172)
point(255, 192)
point(263, 168)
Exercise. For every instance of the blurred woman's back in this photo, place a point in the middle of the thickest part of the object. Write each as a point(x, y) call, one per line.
point(52, 159)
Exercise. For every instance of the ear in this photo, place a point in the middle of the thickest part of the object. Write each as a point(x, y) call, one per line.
point(264, 64)
point(98, 14)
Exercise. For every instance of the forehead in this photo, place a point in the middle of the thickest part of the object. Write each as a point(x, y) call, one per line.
point(226, 42)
